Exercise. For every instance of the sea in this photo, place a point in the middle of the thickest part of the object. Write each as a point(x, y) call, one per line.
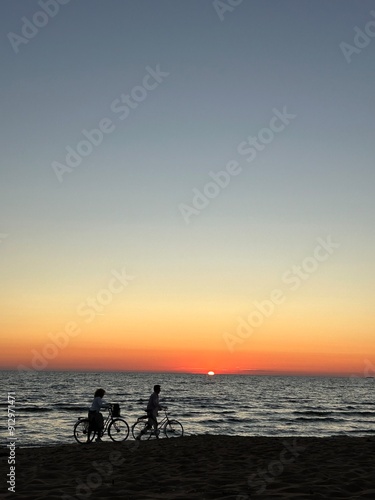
point(47, 404)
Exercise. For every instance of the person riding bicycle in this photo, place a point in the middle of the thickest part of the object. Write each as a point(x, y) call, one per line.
point(96, 421)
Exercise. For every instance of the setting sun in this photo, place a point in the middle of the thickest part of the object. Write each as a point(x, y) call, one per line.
point(211, 373)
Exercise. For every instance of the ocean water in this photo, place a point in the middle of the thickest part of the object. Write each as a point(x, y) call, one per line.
point(47, 404)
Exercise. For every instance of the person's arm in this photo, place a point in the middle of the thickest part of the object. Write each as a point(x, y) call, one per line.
point(154, 399)
point(103, 404)
point(158, 405)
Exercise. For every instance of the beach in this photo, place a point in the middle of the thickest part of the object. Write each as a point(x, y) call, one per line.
point(197, 467)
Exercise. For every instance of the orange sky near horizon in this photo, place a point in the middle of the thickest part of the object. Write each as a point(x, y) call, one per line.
point(190, 361)
point(293, 340)
point(197, 330)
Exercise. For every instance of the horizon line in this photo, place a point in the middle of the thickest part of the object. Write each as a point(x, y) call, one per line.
point(258, 373)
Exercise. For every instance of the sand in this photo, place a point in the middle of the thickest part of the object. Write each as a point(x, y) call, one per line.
point(197, 467)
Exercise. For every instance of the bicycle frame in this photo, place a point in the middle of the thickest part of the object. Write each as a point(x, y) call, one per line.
point(107, 420)
point(116, 427)
point(161, 424)
point(144, 429)
point(164, 421)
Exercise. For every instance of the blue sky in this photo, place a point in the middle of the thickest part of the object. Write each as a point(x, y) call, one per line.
point(225, 78)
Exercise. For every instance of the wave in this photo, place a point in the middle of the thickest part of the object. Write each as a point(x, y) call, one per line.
point(313, 412)
point(361, 431)
point(346, 413)
point(71, 408)
point(35, 409)
point(56, 407)
point(360, 413)
point(320, 419)
point(236, 419)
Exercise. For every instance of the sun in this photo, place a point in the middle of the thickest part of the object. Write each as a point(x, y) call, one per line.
point(210, 373)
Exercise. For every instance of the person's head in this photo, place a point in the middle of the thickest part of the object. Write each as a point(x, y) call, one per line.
point(99, 393)
point(157, 389)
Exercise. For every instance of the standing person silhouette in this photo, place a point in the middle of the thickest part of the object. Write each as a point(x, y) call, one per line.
point(153, 407)
point(96, 421)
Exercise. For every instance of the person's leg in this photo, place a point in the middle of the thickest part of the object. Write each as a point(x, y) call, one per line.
point(155, 422)
point(147, 426)
point(99, 425)
point(150, 420)
point(91, 426)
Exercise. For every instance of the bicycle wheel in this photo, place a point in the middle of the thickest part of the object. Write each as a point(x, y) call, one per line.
point(81, 429)
point(118, 429)
point(173, 429)
point(140, 431)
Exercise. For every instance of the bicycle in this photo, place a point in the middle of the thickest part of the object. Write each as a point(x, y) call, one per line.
point(117, 427)
point(167, 427)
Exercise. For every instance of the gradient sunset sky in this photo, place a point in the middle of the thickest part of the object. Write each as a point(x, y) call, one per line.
point(118, 263)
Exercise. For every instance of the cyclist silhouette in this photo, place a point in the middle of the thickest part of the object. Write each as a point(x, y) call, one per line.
point(96, 420)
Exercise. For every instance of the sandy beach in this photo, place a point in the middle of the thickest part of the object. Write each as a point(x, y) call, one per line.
point(197, 467)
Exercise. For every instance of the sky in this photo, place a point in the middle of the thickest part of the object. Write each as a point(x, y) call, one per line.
point(188, 186)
